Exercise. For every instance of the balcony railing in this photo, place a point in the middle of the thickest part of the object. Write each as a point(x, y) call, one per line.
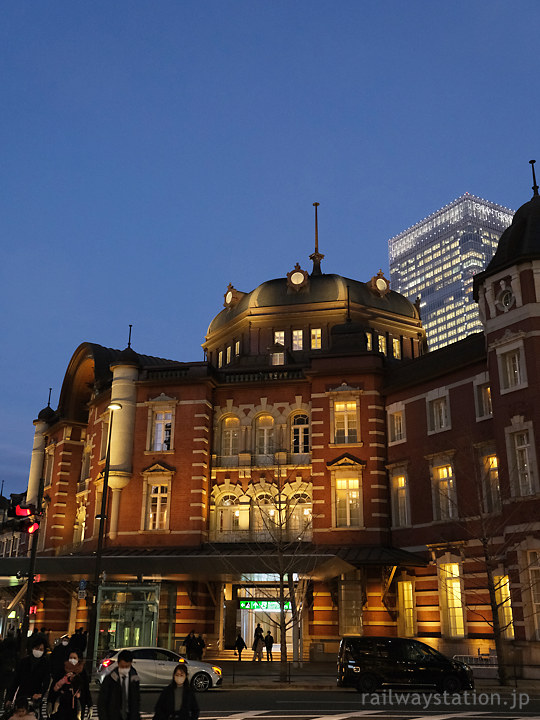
point(278, 459)
point(260, 536)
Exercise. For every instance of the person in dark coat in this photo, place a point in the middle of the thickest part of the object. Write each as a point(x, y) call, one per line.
point(115, 703)
point(8, 663)
point(32, 675)
point(268, 644)
point(199, 647)
point(70, 696)
point(190, 644)
point(239, 645)
point(58, 658)
point(177, 701)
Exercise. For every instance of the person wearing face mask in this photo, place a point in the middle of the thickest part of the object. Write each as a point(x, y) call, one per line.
point(119, 694)
point(32, 675)
point(58, 658)
point(177, 701)
point(69, 696)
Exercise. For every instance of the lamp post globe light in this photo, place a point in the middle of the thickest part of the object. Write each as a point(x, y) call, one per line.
point(102, 517)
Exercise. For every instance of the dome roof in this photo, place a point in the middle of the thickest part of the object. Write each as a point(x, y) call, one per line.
point(520, 241)
point(320, 289)
point(47, 414)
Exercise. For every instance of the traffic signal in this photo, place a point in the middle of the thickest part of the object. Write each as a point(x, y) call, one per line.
point(27, 517)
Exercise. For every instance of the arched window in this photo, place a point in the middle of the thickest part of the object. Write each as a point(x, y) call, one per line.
point(264, 515)
point(264, 435)
point(230, 436)
point(300, 506)
point(300, 435)
point(228, 513)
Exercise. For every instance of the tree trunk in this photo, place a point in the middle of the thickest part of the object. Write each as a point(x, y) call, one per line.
point(497, 630)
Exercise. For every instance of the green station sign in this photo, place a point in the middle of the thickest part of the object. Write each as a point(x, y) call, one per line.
point(263, 605)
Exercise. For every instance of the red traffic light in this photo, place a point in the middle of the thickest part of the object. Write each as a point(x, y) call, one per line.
point(24, 511)
point(31, 529)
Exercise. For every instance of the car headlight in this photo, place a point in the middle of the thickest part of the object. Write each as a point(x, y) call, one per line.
point(216, 669)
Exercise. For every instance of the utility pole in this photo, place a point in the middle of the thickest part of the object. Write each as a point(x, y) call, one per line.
point(31, 571)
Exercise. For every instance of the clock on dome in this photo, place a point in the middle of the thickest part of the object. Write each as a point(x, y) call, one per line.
point(232, 296)
point(379, 284)
point(297, 278)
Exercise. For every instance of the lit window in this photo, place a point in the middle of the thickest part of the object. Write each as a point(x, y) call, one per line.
point(279, 337)
point(264, 434)
point(400, 501)
point(406, 608)
point(348, 502)
point(277, 358)
point(315, 338)
point(396, 348)
point(161, 430)
point(444, 493)
point(230, 436)
point(504, 604)
point(452, 604)
point(220, 359)
point(300, 434)
point(297, 339)
point(156, 517)
point(228, 514)
point(229, 354)
point(382, 344)
point(237, 348)
point(369, 342)
point(396, 423)
point(264, 517)
point(299, 511)
point(483, 400)
point(491, 488)
point(345, 424)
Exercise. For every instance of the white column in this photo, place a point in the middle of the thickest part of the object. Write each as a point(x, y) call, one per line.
point(114, 511)
point(123, 391)
point(36, 463)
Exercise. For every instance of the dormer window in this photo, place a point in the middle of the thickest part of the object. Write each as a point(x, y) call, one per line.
point(279, 337)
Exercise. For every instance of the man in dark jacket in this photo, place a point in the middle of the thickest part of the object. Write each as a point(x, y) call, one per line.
point(119, 695)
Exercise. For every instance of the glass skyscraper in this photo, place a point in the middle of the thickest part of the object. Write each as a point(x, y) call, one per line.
point(435, 261)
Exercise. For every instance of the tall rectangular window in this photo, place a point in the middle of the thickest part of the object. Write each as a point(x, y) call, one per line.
point(369, 341)
point(279, 337)
point(350, 607)
point(316, 338)
point(396, 348)
point(406, 608)
point(504, 604)
point(483, 400)
point(396, 426)
point(400, 500)
point(522, 460)
point(229, 354)
point(158, 496)
point(348, 502)
point(104, 439)
point(490, 484)
point(438, 414)
point(453, 624)
point(161, 431)
point(297, 339)
point(511, 369)
point(382, 344)
point(534, 582)
point(48, 466)
point(237, 348)
point(444, 493)
point(345, 425)
point(220, 359)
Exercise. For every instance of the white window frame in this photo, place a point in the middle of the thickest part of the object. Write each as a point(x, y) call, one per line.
point(504, 603)
point(230, 437)
point(297, 339)
point(512, 367)
point(161, 404)
point(277, 358)
point(155, 479)
point(396, 422)
point(406, 608)
point(345, 495)
point(400, 497)
point(515, 454)
point(316, 338)
point(301, 435)
point(279, 337)
point(444, 503)
point(438, 411)
point(491, 489)
point(396, 348)
point(264, 437)
point(348, 417)
point(452, 596)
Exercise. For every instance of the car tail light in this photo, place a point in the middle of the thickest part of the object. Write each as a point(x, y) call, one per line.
point(106, 663)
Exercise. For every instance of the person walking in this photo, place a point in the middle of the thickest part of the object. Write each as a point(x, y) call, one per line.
point(257, 647)
point(58, 658)
point(32, 675)
point(199, 647)
point(70, 697)
point(239, 646)
point(259, 632)
point(119, 695)
point(8, 663)
point(268, 644)
point(190, 643)
point(177, 701)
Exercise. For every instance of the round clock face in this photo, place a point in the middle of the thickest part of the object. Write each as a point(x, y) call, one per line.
point(297, 278)
point(507, 298)
point(381, 284)
point(228, 297)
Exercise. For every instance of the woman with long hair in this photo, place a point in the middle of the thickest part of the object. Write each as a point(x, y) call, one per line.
point(177, 701)
point(70, 694)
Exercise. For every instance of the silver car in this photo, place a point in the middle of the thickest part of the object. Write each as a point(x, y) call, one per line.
point(155, 667)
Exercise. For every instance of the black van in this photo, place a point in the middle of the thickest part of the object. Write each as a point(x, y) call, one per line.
point(368, 663)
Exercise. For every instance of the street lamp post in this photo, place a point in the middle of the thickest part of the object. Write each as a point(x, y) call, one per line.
point(93, 624)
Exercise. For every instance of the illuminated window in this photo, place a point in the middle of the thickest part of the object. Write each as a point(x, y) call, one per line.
point(277, 358)
point(157, 508)
point(345, 422)
point(382, 344)
point(316, 338)
point(406, 608)
point(229, 354)
point(264, 516)
point(161, 430)
point(297, 339)
point(230, 436)
point(279, 337)
point(369, 342)
point(299, 516)
point(490, 484)
point(264, 434)
point(444, 493)
point(400, 500)
point(237, 348)
point(300, 434)
point(504, 604)
point(396, 426)
point(348, 501)
point(452, 605)
point(228, 514)
point(220, 359)
point(396, 348)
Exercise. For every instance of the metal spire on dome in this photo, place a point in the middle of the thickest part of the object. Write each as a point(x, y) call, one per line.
point(129, 337)
point(49, 400)
point(535, 186)
point(316, 257)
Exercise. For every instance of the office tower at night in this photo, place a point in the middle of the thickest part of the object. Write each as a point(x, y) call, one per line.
point(435, 260)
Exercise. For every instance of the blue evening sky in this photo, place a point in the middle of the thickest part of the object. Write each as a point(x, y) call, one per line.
point(152, 152)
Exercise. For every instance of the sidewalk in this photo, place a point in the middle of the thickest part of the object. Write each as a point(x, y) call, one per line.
point(322, 676)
